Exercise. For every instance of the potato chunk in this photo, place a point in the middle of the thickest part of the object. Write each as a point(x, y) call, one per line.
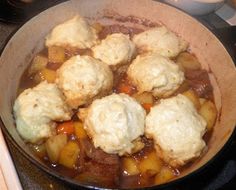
point(79, 130)
point(209, 112)
point(144, 98)
point(45, 74)
point(150, 164)
point(69, 154)
point(98, 27)
point(138, 145)
point(188, 61)
point(165, 175)
point(56, 54)
point(54, 146)
point(39, 63)
point(192, 96)
point(202, 101)
point(130, 166)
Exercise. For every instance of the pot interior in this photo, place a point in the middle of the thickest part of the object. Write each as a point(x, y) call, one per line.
point(29, 40)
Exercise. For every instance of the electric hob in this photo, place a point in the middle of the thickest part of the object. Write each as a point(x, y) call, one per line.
point(221, 174)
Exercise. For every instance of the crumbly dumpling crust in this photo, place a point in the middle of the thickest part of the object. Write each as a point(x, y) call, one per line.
point(155, 73)
point(114, 122)
point(75, 32)
point(82, 78)
point(115, 50)
point(160, 40)
point(177, 130)
point(37, 108)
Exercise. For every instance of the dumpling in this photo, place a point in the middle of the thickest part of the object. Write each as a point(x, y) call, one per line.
point(37, 108)
point(75, 32)
point(155, 73)
point(117, 49)
point(114, 122)
point(83, 78)
point(177, 130)
point(160, 40)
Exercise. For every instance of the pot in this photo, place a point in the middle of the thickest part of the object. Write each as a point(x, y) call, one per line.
point(29, 40)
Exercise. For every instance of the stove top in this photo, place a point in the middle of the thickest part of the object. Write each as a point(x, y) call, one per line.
point(221, 174)
point(18, 11)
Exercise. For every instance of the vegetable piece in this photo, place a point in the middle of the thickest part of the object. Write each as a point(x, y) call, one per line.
point(130, 166)
point(66, 128)
point(138, 145)
point(69, 154)
point(150, 164)
point(125, 88)
point(79, 130)
point(56, 54)
point(192, 96)
point(202, 101)
point(45, 74)
point(39, 63)
point(144, 98)
point(39, 150)
point(209, 112)
point(188, 61)
point(54, 146)
point(49, 75)
point(147, 106)
point(165, 175)
point(97, 26)
point(183, 87)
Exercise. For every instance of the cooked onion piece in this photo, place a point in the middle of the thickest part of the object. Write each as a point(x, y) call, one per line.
point(188, 61)
point(155, 73)
point(114, 122)
point(83, 78)
point(209, 112)
point(75, 32)
point(115, 50)
point(160, 40)
point(177, 130)
point(37, 108)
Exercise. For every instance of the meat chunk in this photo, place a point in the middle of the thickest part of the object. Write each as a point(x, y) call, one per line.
point(199, 82)
point(111, 29)
point(98, 174)
point(97, 154)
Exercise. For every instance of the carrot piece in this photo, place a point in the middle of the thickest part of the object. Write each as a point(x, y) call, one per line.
point(66, 128)
point(126, 88)
point(147, 106)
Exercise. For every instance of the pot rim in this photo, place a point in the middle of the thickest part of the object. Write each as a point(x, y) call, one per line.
point(76, 183)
